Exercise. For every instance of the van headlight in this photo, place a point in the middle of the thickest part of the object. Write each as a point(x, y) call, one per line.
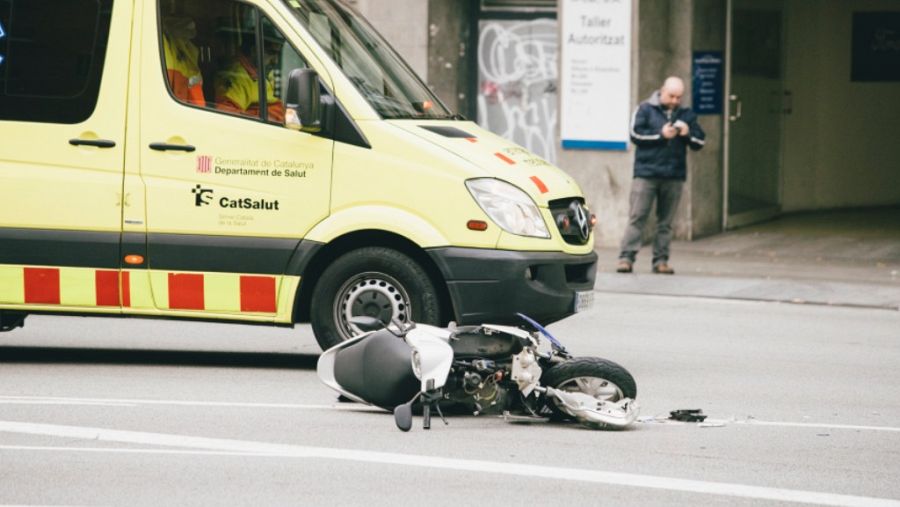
point(509, 207)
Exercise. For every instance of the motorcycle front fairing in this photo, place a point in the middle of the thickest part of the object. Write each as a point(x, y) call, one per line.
point(432, 355)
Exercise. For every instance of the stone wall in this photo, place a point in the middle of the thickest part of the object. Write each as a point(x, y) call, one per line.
point(841, 136)
point(433, 35)
point(404, 23)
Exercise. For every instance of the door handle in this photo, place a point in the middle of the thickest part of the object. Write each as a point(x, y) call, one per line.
point(737, 108)
point(788, 103)
point(98, 143)
point(172, 147)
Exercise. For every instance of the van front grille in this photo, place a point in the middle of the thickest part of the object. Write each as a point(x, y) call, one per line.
point(572, 218)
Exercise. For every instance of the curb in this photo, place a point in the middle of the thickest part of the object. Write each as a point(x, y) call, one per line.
point(822, 293)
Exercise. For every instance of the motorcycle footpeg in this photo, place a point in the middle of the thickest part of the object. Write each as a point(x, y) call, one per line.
point(430, 397)
point(437, 408)
point(403, 414)
point(430, 402)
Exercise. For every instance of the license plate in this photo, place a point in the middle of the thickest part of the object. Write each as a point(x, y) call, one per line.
point(583, 300)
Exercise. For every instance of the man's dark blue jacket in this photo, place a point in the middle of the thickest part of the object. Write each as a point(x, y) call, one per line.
point(656, 156)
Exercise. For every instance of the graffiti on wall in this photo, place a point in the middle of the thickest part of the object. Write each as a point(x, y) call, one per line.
point(518, 82)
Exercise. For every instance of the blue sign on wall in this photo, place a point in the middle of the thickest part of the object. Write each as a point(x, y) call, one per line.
point(875, 54)
point(2, 33)
point(707, 82)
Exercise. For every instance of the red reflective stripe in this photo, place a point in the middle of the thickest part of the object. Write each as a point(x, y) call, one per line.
point(258, 294)
point(107, 287)
point(505, 158)
point(126, 289)
point(472, 139)
point(186, 292)
point(540, 184)
point(42, 285)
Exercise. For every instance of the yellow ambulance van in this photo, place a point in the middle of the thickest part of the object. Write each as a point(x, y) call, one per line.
point(261, 161)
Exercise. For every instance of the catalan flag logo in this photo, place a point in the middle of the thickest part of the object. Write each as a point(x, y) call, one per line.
point(204, 164)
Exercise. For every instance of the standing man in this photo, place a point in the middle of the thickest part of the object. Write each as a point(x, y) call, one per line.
point(662, 131)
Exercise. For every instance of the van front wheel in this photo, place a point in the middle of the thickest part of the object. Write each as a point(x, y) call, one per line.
point(376, 282)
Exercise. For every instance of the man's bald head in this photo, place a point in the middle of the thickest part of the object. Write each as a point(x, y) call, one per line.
point(671, 92)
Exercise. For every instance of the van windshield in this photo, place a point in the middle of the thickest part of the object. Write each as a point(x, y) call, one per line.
point(376, 70)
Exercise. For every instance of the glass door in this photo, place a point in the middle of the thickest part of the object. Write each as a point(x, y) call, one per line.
point(518, 77)
point(755, 107)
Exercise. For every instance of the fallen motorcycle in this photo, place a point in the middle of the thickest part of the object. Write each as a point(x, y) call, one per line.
point(487, 369)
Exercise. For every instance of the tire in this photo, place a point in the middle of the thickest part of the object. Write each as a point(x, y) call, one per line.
point(375, 281)
point(603, 379)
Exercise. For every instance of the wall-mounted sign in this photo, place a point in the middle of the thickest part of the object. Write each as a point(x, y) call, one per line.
point(876, 46)
point(596, 74)
point(707, 82)
point(2, 33)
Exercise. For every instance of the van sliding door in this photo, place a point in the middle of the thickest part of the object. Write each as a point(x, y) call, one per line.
point(63, 78)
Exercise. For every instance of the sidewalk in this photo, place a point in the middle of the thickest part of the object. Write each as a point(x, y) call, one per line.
point(841, 258)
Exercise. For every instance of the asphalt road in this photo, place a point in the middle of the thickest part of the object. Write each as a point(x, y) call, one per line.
point(803, 402)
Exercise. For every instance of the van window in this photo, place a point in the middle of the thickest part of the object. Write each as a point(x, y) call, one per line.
point(52, 54)
point(377, 71)
point(225, 55)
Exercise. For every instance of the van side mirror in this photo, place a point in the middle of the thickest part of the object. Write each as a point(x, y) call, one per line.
point(303, 104)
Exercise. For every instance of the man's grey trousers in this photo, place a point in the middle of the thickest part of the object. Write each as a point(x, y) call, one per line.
point(644, 191)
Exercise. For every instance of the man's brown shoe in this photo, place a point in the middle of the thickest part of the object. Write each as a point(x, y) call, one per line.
point(624, 267)
point(663, 269)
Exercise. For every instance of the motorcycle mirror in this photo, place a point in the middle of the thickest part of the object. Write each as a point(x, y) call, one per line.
point(403, 416)
point(366, 323)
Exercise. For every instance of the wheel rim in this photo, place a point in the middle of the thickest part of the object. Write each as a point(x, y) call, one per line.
point(599, 388)
point(370, 294)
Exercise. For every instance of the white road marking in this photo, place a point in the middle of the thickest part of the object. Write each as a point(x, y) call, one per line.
point(755, 422)
point(131, 450)
point(719, 423)
point(51, 400)
point(356, 407)
point(434, 462)
point(67, 402)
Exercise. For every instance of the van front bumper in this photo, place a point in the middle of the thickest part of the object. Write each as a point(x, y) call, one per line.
point(491, 286)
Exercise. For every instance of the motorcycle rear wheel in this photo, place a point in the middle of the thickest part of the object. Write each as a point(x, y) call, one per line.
point(597, 377)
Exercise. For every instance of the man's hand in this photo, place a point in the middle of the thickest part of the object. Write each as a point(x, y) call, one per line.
point(682, 128)
point(668, 131)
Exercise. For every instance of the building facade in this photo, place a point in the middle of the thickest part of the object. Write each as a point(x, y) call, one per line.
point(809, 111)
